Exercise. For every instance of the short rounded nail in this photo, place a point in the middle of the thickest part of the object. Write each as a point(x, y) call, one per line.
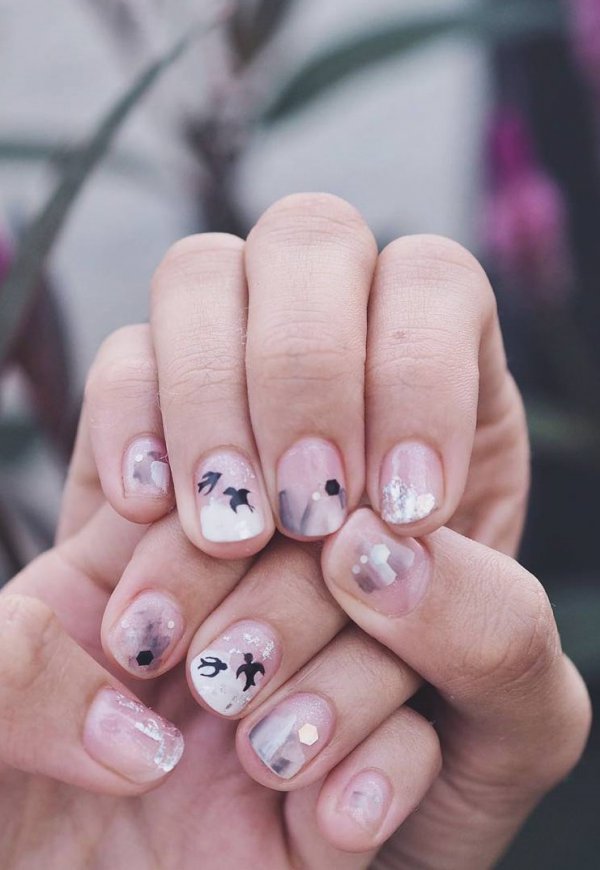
point(388, 574)
point(293, 733)
point(411, 483)
point(146, 632)
point(146, 470)
point(229, 497)
point(130, 739)
point(234, 668)
point(311, 489)
point(366, 799)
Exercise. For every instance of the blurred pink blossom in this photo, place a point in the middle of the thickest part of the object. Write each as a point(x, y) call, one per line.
point(585, 28)
point(527, 215)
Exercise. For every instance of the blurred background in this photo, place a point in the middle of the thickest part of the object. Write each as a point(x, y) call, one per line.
point(477, 120)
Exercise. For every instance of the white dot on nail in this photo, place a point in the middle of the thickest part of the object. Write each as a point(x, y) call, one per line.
point(171, 624)
point(139, 457)
point(364, 559)
point(356, 569)
point(316, 496)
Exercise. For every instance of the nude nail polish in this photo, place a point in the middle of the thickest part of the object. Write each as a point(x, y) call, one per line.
point(230, 498)
point(312, 489)
point(234, 668)
point(366, 799)
point(146, 632)
point(389, 574)
point(411, 483)
point(293, 733)
point(146, 470)
point(129, 738)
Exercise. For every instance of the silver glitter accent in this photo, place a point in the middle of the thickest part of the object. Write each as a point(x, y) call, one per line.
point(169, 740)
point(402, 504)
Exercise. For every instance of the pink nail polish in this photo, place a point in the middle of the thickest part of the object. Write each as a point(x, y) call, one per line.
point(366, 799)
point(389, 574)
point(129, 738)
point(230, 672)
point(146, 632)
point(293, 733)
point(146, 470)
point(230, 498)
point(411, 483)
point(312, 489)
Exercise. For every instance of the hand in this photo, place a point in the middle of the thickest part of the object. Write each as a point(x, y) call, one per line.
point(416, 403)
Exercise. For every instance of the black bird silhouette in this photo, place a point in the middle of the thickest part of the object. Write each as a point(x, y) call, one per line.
point(239, 498)
point(212, 662)
point(210, 480)
point(250, 670)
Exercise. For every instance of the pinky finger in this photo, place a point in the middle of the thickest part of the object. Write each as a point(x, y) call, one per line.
point(371, 793)
point(64, 716)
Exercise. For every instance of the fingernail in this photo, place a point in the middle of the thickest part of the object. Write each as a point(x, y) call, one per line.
point(389, 574)
point(129, 738)
point(230, 498)
point(411, 483)
point(312, 489)
point(293, 733)
point(146, 468)
point(234, 668)
point(366, 799)
point(146, 632)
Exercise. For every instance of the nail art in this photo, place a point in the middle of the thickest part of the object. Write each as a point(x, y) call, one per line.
point(366, 799)
point(230, 499)
point(411, 483)
point(131, 739)
point(293, 733)
point(146, 632)
point(146, 468)
point(232, 670)
point(312, 494)
point(389, 574)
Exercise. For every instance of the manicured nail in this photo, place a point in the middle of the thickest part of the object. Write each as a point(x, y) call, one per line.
point(146, 468)
point(311, 486)
point(146, 633)
point(235, 667)
point(293, 733)
point(230, 498)
point(389, 574)
point(366, 799)
point(129, 738)
point(412, 483)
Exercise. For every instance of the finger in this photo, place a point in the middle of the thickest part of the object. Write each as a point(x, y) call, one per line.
point(250, 645)
point(126, 428)
point(375, 788)
point(166, 591)
point(479, 628)
point(76, 578)
point(82, 495)
point(64, 716)
point(309, 261)
point(436, 370)
point(199, 304)
point(323, 712)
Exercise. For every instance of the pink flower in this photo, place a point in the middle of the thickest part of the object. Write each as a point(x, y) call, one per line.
point(585, 28)
point(527, 215)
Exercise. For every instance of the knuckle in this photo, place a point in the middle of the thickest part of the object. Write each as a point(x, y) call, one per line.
point(520, 643)
point(127, 369)
point(29, 636)
point(190, 381)
point(436, 261)
point(195, 258)
point(316, 219)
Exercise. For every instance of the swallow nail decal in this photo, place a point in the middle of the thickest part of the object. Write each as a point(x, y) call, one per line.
point(229, 673)
point(229, 498)
point(312, 496)
point(146, 468)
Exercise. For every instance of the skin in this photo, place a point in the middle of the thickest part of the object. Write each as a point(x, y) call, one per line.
point(511, 713)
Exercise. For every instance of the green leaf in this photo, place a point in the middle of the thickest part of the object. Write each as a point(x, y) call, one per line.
point(507, 20)
point(17, 291)
point(559, 431)
point(39, 150)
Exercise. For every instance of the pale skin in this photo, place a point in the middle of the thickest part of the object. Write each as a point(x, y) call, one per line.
point(364, 351)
